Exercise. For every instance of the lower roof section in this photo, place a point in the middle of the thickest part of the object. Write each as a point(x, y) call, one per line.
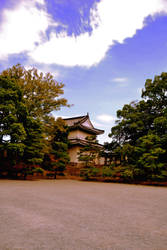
point(92, 131)
point(81, 142)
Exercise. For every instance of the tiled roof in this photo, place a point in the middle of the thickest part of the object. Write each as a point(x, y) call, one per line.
point(73, 120)
point(82, 142)
point(79, 122)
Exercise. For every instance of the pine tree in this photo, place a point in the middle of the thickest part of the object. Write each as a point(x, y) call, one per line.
point(58, 156)
point(89, 152)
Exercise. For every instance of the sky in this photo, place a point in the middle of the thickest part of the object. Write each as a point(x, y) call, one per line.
point(102, 50)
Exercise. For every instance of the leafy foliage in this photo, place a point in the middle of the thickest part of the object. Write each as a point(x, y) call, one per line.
point(89, 152)
point(41, 92)
point(12, 131)
point(28, 131)
point(58, 156)
point(18, 132)
point(60, 145)
point(88, 173)
point(107, 172)
point(141, 133)
point(33, 153)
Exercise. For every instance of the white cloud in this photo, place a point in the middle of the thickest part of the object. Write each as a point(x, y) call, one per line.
point(97, 124)
point(106, 126)
point(104, 138)
point(120, 79)
point(105, 118)
point(111, 20)
point(24, 29)
point(40, 2)
point(62, 116)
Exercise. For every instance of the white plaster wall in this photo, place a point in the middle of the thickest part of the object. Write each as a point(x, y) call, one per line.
point(78, 134)
point(100, 160)
point(72, 134)
point(73, 153)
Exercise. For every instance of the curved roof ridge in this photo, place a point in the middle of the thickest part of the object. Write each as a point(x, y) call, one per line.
point(88, 118)
point(83, 119)
point(78, 121)
point(99, 131)
point(74, 120)
point(75, 117)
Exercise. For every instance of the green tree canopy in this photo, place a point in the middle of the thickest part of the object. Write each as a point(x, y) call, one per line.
point(27, 128)
point(41, 92)
point(141, 131)
point(90, 151)
point(19, 132)
point(12, 116)
point(58, 157)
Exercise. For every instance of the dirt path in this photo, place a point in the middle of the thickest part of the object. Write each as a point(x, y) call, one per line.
point(66, 214)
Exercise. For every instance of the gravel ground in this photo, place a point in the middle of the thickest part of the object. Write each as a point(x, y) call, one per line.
point(74, 215)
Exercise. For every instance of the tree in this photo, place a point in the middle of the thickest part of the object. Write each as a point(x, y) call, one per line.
point(41, 92)
point(87, 155)
point(58, 156)
point(33, 153)
point(141, 132)
point(18, 131)
point(27, 124)
point(108, 152)
point(149, 151)
point(41, 96)
point(12, 115)
point(89, 152)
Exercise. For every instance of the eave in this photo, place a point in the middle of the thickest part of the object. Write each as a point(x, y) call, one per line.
point(78, 123)
point(92, 131)
point(81, 142)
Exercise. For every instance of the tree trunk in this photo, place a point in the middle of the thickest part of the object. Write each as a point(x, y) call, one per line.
point(25, 175)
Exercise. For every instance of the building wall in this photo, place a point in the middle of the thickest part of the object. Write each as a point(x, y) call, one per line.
point(100, 161)
point(74, 150)
point(78, 134)
point(73, 153)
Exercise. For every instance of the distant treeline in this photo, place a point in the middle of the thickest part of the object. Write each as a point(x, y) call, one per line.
point(32, 140)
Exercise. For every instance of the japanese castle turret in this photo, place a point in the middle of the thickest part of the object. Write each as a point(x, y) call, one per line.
point(80, 127)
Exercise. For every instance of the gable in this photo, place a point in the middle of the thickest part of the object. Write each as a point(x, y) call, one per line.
point(87, 123)
point(83, 123)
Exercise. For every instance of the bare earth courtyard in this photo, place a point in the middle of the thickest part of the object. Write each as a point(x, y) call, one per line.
point(66, 214)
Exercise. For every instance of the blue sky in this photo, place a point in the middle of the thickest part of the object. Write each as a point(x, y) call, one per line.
point(103, 51)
